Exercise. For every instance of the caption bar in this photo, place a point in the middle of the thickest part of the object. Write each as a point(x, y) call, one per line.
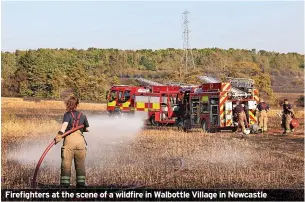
point(146, 194)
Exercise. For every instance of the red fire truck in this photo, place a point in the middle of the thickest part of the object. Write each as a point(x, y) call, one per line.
point(120, 99)
point(212, 107)
point(209, 106)
point(153, 105)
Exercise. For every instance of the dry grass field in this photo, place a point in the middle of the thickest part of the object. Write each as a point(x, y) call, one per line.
point(156, 158)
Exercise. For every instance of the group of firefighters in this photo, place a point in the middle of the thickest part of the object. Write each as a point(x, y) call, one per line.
point(262, 109)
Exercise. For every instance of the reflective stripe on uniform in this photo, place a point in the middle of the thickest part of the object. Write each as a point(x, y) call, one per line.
point(81, 178)
point(65, 179)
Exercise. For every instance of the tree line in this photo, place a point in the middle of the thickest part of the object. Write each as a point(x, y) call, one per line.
point(49, 73)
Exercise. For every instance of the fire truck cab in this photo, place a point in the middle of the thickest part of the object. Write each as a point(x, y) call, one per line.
point(120, 99)
point(158, 105)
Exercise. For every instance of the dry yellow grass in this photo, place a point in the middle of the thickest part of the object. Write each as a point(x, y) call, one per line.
point(274, 112)
point(18, 127)
point(19, 103)
point(221, 160)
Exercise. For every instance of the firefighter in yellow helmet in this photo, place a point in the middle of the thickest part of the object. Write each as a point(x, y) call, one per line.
point(263, 108)
point(74, 145)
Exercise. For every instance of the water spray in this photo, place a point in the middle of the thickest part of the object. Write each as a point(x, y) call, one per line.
point(47, 150)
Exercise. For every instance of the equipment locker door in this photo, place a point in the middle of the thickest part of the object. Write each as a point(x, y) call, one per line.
point(214, 111)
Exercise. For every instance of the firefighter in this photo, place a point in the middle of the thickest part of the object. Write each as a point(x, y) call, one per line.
point(239, 111)
point(288, 114)
point(263, 109)
point(246, 112)
point(74, 145)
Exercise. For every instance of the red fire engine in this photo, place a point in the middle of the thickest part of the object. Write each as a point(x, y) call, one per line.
point(120, 99)
point(154, 103)
point(210, 106)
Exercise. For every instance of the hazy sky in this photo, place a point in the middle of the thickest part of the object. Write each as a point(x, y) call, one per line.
point(274, 26)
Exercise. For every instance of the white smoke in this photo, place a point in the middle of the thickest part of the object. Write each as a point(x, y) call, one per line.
point(105, 134)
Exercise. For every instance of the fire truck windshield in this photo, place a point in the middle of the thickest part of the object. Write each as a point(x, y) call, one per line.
point(127, 94)
point(113, 95)
point(120, 95)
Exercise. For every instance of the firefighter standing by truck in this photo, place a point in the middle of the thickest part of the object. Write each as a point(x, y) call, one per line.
point(74, 146)
point(239, 111)
point(263, 109)
point(288, 114)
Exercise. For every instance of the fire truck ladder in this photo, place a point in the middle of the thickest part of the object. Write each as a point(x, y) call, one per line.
point(208, 79)
point(182, 85)
point(148, 82)
point(241, 82)
point(241, 87)
point(236, 84)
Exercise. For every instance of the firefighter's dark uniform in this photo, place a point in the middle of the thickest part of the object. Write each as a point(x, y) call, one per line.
point(240, 112)
point(263, 108)
point(74, 147)
point(287, 117)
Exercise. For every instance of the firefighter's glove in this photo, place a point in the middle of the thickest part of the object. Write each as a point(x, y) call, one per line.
point(58, 137)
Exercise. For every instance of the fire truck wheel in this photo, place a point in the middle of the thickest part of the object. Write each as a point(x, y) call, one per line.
point(234, 129)
point(153, 121)
point(204, 126)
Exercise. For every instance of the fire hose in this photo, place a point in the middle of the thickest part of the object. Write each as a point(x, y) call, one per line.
point(47, 150)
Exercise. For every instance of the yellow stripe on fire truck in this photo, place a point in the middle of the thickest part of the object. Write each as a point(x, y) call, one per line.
point(140, 105)
point(111, 104)
point(223, 99)
point(126, 104)
point(145, 103)
point(156, 106)
point(228, 113)
point(252, 117)
point(226, 86)
point(256, 95)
